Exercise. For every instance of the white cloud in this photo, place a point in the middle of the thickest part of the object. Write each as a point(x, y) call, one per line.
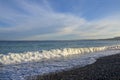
point(44, 23)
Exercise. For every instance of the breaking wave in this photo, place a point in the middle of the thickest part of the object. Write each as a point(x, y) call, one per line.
point(17, 58)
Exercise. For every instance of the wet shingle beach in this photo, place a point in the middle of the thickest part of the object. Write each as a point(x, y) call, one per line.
point(105, 68)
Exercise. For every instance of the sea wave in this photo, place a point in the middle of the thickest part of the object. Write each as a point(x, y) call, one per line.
point(17, 58)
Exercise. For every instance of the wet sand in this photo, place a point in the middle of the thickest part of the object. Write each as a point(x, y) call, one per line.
point(105, 68)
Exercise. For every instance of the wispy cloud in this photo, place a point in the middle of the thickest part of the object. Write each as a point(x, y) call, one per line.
point(41, 22)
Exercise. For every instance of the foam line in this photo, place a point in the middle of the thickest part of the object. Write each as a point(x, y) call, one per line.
point(17, 58)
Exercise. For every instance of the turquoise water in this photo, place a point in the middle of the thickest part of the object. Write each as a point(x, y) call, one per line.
point(27, 46)
point(19, 59)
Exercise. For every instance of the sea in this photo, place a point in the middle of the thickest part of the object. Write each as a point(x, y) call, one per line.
point(20, 60)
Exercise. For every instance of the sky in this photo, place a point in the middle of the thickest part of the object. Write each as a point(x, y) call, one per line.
point(59, 19)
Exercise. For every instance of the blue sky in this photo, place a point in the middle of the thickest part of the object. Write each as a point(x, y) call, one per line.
point(59, 19)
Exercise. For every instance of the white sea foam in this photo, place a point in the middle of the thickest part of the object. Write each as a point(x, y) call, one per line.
point(49, 63)
point(17, 58)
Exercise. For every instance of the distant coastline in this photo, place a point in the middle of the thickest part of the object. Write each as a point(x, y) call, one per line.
point(115, 38)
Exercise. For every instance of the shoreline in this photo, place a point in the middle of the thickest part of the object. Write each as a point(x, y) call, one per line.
point(105, 68)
